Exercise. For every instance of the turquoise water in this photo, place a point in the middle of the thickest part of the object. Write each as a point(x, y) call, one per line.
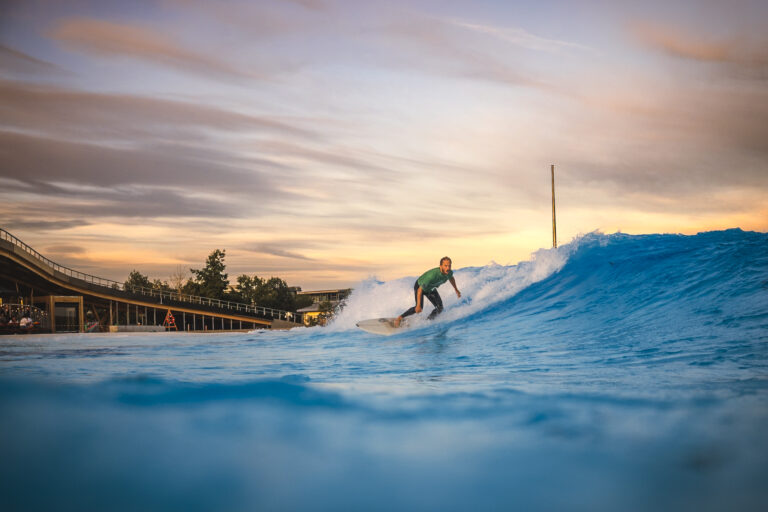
point(617, 372)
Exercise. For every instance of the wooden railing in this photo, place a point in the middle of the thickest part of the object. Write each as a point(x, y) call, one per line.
point(162, 295)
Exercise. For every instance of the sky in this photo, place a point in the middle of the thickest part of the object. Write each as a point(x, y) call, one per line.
point(327, 142)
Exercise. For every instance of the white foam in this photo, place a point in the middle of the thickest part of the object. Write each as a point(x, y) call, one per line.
point(480, 287)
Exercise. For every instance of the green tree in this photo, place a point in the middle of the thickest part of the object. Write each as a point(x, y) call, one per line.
point(211, 281)
point(137, 280)
point(247, 289)
point(275, 292)
point(161, 285)
point(269, 293)
point(191, 288)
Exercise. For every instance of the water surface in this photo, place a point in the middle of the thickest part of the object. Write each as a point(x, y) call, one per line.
point(616, 372)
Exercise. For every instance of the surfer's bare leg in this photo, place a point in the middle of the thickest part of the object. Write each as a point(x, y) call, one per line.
point(398, 320)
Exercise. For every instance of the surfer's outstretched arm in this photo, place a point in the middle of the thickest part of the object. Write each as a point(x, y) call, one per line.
point(453, 283)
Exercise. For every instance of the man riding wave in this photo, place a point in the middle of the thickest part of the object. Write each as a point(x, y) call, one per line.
point(426, 285)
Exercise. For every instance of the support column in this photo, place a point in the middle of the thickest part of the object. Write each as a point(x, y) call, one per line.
point(52, 312)
point(81, 315)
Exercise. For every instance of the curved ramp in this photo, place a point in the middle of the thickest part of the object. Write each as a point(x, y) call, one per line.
point(23, 267)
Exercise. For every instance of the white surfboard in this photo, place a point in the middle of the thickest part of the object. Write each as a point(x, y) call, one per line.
point(383, 326)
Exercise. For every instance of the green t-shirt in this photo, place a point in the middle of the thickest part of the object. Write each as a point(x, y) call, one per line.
point(431, 279)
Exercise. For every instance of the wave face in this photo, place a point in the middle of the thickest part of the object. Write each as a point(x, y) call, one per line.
point(617, 372)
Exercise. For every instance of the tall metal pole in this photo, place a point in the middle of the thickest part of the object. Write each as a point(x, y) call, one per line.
point(554, 222)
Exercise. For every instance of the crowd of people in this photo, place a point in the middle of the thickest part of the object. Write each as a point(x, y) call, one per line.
point(20, 318)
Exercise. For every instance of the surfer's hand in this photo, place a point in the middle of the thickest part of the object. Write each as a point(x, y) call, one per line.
point(418, 309)
point(458, 293)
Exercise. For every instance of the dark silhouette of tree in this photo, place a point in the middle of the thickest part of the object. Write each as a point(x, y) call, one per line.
point(269, 293)
point(210, 281)
point(137, 280)
point(161, 285)
point(246, 289)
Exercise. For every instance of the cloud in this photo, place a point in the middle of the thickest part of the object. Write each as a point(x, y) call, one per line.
point(335, 157)
point(258, 19)
point(438, 46)
point(86, 179)
point(14, 61)
point(106, 147)
point(274, 250)
point(126, 206)
point(109, 39)
point(317, 5)
point(155, 203)
point(14, 223)
point(519, 37)
point(676, 42)
point(63, 112)
point(683, 135)
point(65, 249)
point(283, 267)
point(42, 159)
point(395, 35)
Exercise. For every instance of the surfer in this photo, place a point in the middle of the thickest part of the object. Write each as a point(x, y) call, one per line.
point(427, 285)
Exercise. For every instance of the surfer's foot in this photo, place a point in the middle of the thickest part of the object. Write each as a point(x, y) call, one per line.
point(397, 321)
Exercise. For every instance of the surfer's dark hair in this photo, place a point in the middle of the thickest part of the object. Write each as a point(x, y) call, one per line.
point(445, 258)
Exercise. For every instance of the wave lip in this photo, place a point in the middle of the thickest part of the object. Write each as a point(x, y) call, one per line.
point(480, 287)
point(612, 283)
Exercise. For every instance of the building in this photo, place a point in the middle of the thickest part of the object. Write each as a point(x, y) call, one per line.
point(324, 303)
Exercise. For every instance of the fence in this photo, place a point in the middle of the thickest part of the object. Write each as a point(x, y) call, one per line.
point(165, 297)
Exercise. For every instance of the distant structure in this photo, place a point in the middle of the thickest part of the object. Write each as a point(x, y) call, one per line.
point(324, 303)
point(59, 299)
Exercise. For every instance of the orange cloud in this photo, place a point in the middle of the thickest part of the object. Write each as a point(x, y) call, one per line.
point(107, 38)
point(679, 43)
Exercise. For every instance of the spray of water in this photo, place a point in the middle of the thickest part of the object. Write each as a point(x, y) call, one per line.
point(480, 287)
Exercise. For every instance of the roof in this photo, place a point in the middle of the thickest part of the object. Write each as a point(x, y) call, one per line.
point(315, 308)
point(338, 290)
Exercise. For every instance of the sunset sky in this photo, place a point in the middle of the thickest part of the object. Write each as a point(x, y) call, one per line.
point(329, 141)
